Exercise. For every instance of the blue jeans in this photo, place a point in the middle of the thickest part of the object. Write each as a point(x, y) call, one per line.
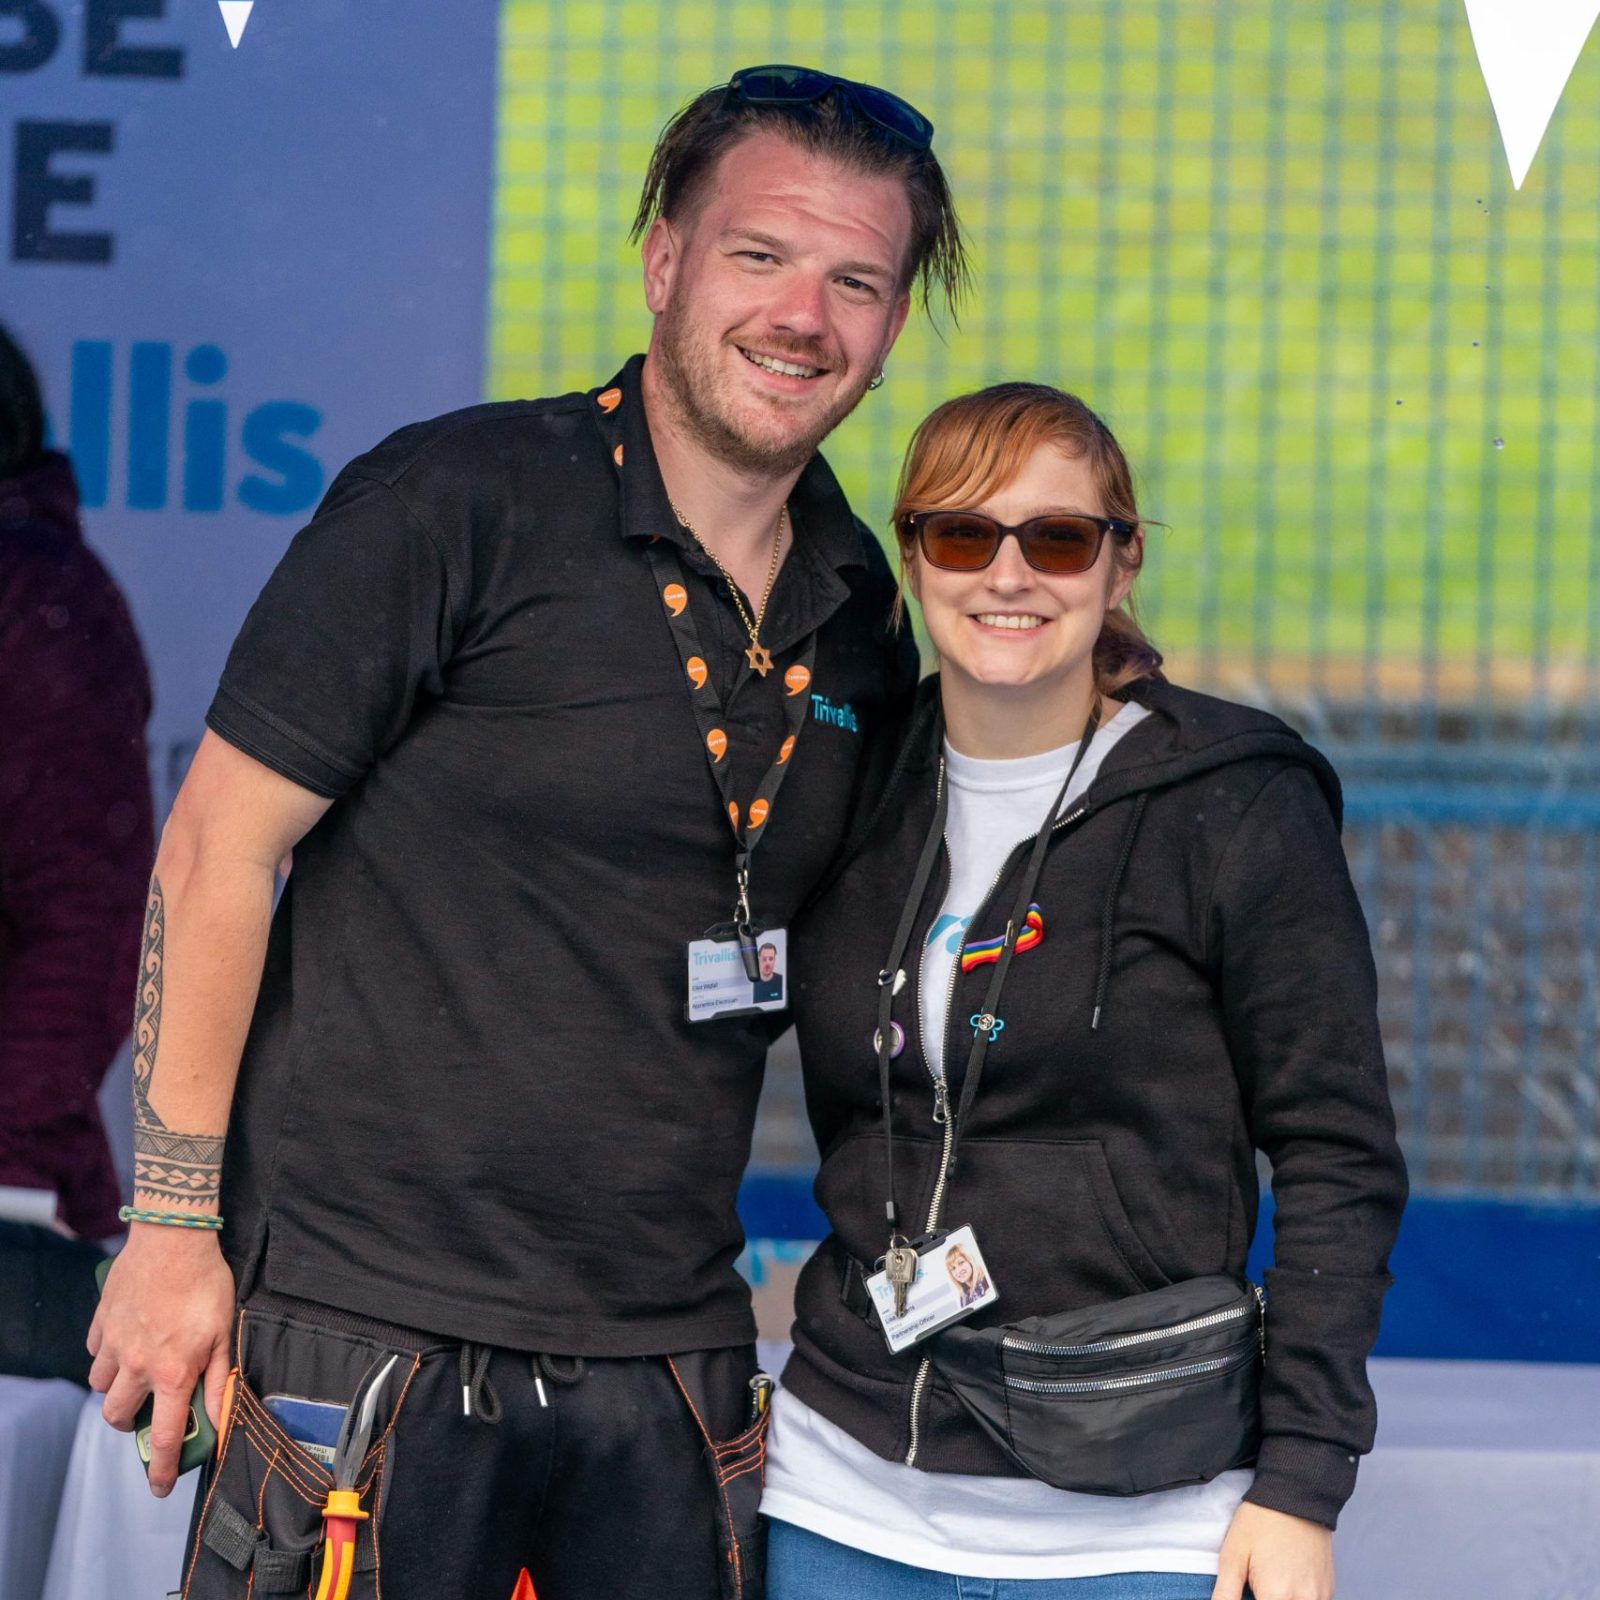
point(804, 1566)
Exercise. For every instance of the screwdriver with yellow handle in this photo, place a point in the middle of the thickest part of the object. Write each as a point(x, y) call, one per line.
point(342, 1510)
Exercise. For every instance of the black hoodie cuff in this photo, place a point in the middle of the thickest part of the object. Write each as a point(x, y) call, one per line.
point(1308, 1478)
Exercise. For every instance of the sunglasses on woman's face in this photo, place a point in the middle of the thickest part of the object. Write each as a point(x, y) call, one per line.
point(967, 541)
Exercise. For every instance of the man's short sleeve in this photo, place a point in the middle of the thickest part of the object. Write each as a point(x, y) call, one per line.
point(352, 629)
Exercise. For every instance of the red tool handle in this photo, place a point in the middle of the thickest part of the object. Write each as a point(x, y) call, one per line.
point(339, 1518)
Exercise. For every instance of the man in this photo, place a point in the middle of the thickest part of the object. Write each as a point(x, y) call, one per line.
point(75, 840)
point(768, 986)
point(527, 699)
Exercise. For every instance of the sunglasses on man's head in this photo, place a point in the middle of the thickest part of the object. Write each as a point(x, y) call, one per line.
point(793, 86)
point(967, 541)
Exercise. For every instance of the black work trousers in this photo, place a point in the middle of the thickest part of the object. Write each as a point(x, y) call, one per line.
point(636, 1477)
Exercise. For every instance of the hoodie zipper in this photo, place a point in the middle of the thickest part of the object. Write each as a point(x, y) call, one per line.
point(941, 1084)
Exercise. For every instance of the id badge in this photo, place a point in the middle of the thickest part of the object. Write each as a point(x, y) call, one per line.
point(952, 1282)
point(720, 985)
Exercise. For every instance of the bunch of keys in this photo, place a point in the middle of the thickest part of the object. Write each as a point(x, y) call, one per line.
point(900, 1267)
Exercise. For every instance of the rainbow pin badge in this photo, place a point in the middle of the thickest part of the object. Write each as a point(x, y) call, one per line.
point(987, 950)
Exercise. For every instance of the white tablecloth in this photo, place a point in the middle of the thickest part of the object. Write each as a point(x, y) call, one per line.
point(1485, 1486)
point(37, 1419)
point(1485, 1483)
point(113, 1538)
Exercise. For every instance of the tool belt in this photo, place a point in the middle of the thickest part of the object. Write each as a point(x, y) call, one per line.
point(261, 1510)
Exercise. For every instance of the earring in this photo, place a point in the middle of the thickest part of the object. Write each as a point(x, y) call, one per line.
point(877, 382)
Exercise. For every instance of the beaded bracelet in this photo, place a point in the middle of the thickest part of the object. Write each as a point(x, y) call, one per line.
point(171, 1219)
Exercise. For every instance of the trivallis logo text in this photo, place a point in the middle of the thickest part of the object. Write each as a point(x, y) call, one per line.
point(824, 710)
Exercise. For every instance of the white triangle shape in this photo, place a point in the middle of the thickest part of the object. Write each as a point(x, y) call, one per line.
point(1527, 50)
point(235, 14)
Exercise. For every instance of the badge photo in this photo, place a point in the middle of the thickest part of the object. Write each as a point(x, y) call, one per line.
point(952, 1282)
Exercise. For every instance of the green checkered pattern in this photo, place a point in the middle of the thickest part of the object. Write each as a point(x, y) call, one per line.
point(1276, 246)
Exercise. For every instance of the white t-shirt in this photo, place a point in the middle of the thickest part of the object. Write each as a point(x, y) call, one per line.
point(994, 806)
point(819, 1478)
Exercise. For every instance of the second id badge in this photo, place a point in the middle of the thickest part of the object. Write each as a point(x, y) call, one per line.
point(720, 974)
point(952, 1282)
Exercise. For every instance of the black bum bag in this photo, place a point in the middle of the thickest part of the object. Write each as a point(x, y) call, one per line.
point(1146, 1393)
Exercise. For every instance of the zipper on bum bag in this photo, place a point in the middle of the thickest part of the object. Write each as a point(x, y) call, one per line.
point(1131, 1380)
point(1125, 1341)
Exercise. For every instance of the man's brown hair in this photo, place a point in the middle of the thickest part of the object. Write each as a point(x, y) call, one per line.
point(711, 124)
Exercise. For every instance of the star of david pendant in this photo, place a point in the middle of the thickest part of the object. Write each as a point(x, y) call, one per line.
point(760, 659)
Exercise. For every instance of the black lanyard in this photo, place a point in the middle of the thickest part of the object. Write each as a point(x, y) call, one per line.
point(987, 1025)
point(708, 713)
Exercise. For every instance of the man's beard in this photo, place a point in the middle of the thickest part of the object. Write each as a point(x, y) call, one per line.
point(692, 377)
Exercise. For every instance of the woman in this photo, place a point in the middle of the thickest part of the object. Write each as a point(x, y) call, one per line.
point(971, 1285)
point(1129, 944)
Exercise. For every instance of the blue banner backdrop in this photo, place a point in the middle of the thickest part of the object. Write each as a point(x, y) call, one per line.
point(235, 270)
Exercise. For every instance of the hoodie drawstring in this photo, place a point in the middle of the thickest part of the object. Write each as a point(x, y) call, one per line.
point(479, 1397)
point(1109, 910)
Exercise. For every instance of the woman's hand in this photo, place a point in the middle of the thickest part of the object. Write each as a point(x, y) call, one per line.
point(1278, 1557)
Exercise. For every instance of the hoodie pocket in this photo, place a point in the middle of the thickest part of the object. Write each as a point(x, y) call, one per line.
point(1051, 1223)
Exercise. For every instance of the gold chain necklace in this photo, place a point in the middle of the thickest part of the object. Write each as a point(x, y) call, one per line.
point(759, 657)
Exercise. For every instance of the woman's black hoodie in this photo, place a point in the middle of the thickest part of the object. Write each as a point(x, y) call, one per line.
point(1204, 989)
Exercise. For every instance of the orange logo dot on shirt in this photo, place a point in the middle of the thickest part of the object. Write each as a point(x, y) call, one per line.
point(758, 812)
point(696, 668)
point(610, 400)
point(733, 812)
point(616, 455)
point(717, 744)
point(676, 597)
point(797, 677)
point(785, 750)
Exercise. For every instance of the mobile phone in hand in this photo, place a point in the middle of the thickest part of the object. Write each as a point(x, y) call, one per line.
point(199, 1437)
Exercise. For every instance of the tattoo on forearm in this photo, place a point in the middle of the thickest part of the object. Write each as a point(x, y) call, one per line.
point(171, 1166)
point(147, 1009)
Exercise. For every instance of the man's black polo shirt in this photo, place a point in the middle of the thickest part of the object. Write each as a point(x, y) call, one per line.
point(470, 1101)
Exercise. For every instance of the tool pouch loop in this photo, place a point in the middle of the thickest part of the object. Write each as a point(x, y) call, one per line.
point(246, 1548)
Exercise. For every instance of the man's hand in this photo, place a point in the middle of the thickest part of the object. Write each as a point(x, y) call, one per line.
point(164, 1318)
point(1278, 1556)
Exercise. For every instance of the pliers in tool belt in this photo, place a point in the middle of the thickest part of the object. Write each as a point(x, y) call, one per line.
point(342, 1511)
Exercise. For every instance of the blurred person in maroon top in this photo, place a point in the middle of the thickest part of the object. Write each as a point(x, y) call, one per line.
point(76, 843)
